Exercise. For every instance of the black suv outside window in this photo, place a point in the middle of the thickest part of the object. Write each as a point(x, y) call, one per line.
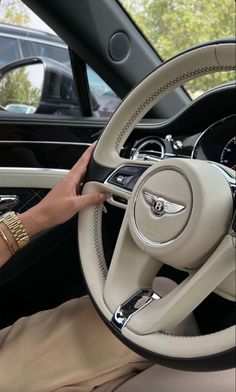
point(17, 43)
point(31, 48)
point(9, 50)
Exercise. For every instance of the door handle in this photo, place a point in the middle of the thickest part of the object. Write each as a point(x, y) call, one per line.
point(8, 202)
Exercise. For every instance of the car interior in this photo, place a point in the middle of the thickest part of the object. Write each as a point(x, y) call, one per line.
point(158, 259)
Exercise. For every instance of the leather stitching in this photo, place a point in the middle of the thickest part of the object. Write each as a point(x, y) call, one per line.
point(96, 237)
point(162, 89)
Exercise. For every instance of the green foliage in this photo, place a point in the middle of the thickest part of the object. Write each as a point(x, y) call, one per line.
point(175, 25)
point(16, 88)
point(14, 12)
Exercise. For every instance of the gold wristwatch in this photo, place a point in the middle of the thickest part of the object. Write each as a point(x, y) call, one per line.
point(15, 226)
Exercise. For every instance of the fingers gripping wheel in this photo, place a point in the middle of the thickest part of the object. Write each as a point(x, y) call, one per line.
point(180, 214)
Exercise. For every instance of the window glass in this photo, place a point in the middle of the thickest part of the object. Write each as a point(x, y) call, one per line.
point(35, 38)
point(104, 100)
point(9, 50)
point(102, 94)
point(31, 48)
point(171, 26)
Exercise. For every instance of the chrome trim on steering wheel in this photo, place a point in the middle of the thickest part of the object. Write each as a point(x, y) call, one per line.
point(133, 305)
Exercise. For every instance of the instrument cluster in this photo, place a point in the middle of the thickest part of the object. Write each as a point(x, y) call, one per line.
point(218, 143)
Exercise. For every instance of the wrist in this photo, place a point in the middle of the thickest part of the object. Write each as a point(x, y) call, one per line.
point(34, 220)
point(8, 238)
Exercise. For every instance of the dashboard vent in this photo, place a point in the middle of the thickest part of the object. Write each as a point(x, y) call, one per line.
point(148, 150)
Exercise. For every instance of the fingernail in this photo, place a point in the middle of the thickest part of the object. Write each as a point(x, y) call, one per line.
point(104, 209)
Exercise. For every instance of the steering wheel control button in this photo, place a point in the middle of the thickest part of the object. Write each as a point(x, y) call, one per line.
point(179, 211)
point(126, 176)
point(121, 179)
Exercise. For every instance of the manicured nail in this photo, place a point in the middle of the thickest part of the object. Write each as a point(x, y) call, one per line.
point(104, 209)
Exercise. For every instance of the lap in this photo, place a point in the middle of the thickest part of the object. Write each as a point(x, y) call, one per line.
point(66, 347)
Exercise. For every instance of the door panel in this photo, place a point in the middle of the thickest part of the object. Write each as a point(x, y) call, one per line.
point(30, 177)
point(44, 144)
point(28, 197)
point(34, 155)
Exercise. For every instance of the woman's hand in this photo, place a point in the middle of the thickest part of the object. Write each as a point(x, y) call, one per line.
point(63, 201)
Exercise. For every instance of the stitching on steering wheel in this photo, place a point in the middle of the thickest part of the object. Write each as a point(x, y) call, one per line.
point(96, 237)
point(162, 89)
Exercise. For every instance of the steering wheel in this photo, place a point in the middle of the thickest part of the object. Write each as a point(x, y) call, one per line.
point(180, 212)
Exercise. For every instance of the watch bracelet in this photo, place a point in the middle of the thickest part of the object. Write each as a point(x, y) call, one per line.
point(16, 228)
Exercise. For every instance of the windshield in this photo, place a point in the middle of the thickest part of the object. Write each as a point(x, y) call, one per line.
point(172, 26)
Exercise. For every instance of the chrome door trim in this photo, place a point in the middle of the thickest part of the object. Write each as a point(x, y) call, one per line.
point(8, 202)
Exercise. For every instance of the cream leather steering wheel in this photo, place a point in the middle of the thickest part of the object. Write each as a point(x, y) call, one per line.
point(179, 213)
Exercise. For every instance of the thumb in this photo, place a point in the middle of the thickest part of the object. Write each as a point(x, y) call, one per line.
point(92, 198)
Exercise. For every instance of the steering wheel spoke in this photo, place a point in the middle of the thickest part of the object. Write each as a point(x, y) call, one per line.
point(119, 183)
point(131, 270)
point(166, 313)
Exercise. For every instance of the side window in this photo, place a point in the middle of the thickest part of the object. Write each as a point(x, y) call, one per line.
point(58, 97)
point(9, 50)
point(57, 53)
point(102, 93)
point(103, 98)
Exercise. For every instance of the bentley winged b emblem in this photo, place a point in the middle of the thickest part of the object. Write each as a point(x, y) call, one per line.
point(161, 206)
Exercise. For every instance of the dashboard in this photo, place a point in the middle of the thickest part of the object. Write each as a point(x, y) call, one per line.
point(205, 130)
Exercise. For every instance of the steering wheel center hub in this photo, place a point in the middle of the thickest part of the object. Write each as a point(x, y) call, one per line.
point(162, 206)
point(172, 203)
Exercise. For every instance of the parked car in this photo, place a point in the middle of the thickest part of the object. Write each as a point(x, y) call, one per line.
point(168, 163)
point(19, 108)
point(19, 43)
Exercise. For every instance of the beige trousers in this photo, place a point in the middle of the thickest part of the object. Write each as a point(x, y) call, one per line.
point(67, 349)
